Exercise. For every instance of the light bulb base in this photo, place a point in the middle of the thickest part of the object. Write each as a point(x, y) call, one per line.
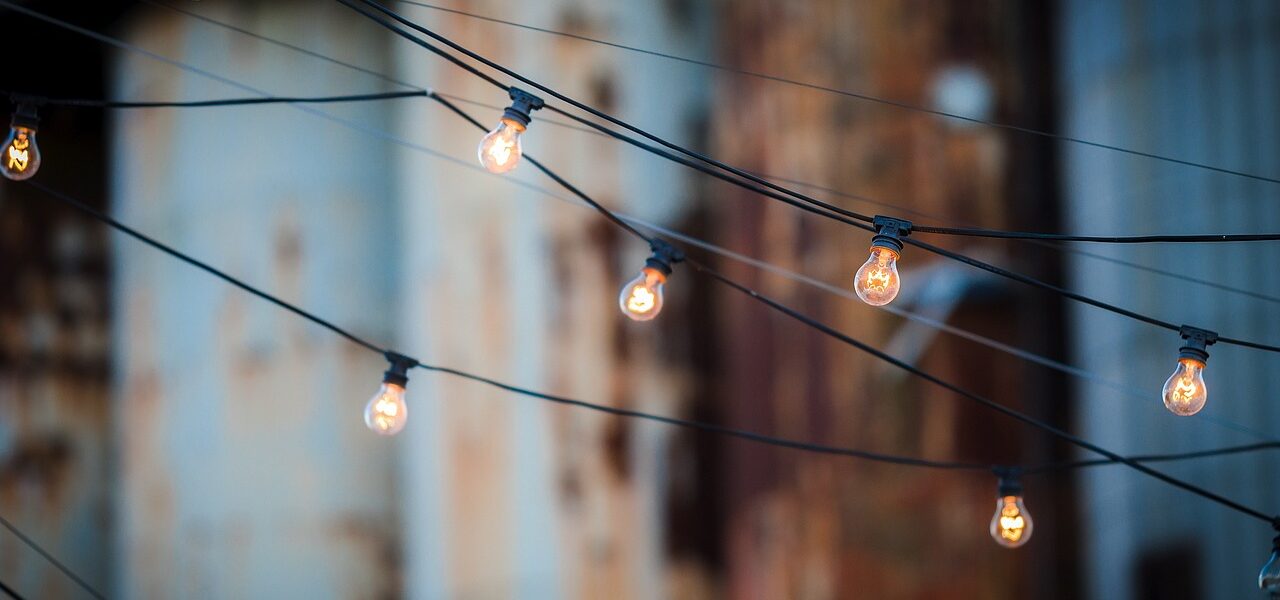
point(1010, 483)
point(398, 372)
point(664, 255)
point(522, 104)
point(24, 114)
point(1197, 343)
point(889, 232)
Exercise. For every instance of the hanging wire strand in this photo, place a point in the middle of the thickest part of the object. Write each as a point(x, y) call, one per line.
point(999, 346)
point(221, 102)
point(10, 592)
point(918, 372)
point(438, 155)
point(851, 94)
point(840, 193)
point(995, 406)
point(698, 425)
point(818, 207)
point(726, 167)
point(30, 543)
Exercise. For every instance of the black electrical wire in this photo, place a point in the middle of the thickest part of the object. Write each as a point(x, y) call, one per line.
point(208, 103)
point(825, 329)
point(883, 356)
point(10, 592)
point(819, 207)
point(702, 426)
point(731, 169)
point(30, 543)
point(199, 264)
point(851, 94)
point(843, 194)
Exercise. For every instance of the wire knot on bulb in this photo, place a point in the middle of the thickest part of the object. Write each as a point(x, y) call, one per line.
point(522, 103)
point(664, 255)
point(1197, 342)
point(889, 232)
point(398, 372)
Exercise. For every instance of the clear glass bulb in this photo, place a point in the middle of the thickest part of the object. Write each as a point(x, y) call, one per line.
point(1269, 577)
point(877, 281)
point(1011, 525)
point(386, 412)
point(1185, 392)
point(641, 298)
point(20, 158)
point(500, 149)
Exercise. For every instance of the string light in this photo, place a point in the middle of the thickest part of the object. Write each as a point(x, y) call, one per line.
point(1011, 525)
point(877, 281)
point(500, 150)
point(1269, 576)
point(387, 412)
point(1185, 392)
point(641, 298)
point(20, 158)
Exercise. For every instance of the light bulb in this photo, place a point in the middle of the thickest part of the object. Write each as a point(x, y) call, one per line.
point(386, 412)
point(1269, 576)
point(1185, 392)
point(20, 157)
point(877, 282)
point(641, 298)
point(1011, 525)
point(500, 149)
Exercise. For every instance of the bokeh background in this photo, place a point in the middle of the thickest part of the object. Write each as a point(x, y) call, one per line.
point(168, 436)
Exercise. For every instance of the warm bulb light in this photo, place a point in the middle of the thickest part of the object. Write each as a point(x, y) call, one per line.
point(500, 149)
point(20, 158)
point(386, 412)
point(1185, 392)
point(641, 298)
point(877, 282)
point(1011, 525)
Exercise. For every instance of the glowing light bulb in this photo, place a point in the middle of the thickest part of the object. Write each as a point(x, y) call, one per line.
point(1184, 392)
point(877, 282)
point(500, 150)
point(386, 413)
point(1011, 525)
point(1269, 576)
point(641, 298)
point(19, 156)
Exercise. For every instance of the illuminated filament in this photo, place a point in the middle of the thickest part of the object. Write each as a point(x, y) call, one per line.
point(386, 413)
point(877, 281)
point(641, 298)
point(1011, 525)
point(18, 154)
point(1185, 392)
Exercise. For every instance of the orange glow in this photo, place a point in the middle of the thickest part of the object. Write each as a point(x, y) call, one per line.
point(877, 282)
point(641, 298)
point(386, 412)
point(1011, 525)
point(500, 149)
point(1185, 392)
point(20, 158)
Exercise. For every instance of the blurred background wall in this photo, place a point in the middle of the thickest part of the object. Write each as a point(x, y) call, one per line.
point(170, 436)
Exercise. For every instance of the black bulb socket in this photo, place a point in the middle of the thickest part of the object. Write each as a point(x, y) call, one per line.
point(889, 232)
point(398, 372)
point(522, 104)
point(24, 115)
point(664, 255)
point(1197, 343)
point(1010, 483)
